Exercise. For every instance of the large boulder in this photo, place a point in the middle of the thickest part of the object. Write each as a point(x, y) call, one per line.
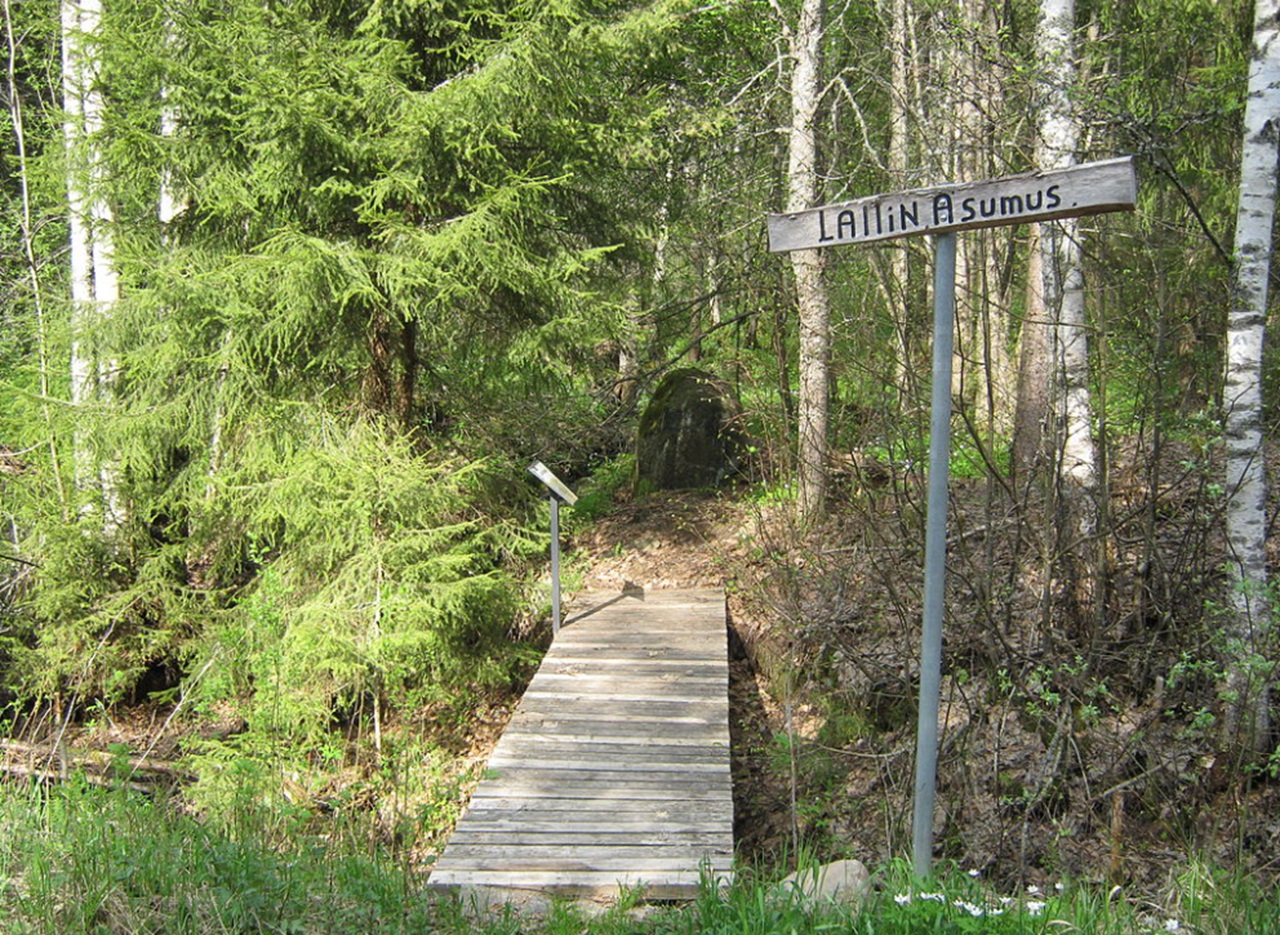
point(688, 434)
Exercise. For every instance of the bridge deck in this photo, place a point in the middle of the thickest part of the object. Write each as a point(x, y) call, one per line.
point(614, 770)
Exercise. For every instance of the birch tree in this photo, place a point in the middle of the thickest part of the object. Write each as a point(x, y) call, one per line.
point(95, 287)
point(1245, 690)
point(1062, 271)
point(804, 42)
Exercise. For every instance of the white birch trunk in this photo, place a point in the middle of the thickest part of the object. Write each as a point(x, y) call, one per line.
point(95, 287)
point(809, 266)
point(1035, 369)
point(1063, 275)
point(168, 206)
point(81, 251)
point(1246, 714)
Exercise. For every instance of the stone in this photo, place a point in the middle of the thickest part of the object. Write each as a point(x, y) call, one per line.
point(844, 882)
point(688, 435)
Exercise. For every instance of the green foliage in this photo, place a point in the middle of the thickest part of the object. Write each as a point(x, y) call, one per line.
point(379, 579)
point(596, 494)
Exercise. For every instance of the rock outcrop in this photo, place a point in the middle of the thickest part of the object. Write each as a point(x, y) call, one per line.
point(689, 434)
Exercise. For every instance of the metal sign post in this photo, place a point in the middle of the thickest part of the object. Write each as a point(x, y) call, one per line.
point(935, 552)
point(1091, 188)
point(560, 493)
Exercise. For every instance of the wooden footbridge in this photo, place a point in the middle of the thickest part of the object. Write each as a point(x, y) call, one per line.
point(614, 770)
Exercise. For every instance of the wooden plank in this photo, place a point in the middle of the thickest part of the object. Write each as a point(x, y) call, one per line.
point(646, 629)
point(547, 746)
point(655, 690)
point(535, 758)
point(670, 809)
point(629, 864)
point(587, 842)
point(647, 666)
point(594, 856)
point(586, 735)
point(632, 793)
point(664, 682)
point(507, 836)
point(654, 706)
point(681, 724)
point(532, 761)
point(500, 834)
point(670, 654)
point(620, 773)
point(600, 756)
point(1090, 188)
point(633, 729)
point(654, 701)
point(632, 635)
point(603, 817)
point(587, 781)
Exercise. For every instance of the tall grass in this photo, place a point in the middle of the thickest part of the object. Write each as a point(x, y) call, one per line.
point(79, 859)
point(76, 859)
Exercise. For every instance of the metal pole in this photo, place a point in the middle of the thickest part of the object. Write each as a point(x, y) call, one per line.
point(555, 566)
point(935, 554)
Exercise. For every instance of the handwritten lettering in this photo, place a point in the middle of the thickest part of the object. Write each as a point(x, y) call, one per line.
point(1092, 188)
point(942, 210)
point(893, 215)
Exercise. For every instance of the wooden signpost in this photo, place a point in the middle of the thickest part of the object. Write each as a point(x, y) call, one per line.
point(1090, 188)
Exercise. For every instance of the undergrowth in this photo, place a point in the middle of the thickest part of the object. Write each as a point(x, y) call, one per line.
point(77, 858)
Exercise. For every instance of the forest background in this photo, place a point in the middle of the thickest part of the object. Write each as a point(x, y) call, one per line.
point(292, 293)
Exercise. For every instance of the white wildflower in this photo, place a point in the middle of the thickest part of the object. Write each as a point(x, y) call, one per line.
point(902, 899)
point(1172, 925)
point(975, 873)
point(1034, 907)
point(934, 897)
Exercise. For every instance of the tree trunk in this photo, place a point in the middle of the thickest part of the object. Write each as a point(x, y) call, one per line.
point(1035, 371)
point(809, 266)
point(1245, 724)
point(1062, 272)
point(898, 288)
point(95, 287)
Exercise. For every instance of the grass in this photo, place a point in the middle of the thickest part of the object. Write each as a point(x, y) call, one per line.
point(79, 859)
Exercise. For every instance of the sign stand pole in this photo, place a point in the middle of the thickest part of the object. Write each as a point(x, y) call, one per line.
point(935, 553)
point(555, 565)
point(560, 493)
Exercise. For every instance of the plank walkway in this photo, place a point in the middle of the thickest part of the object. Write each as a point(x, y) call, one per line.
point(614, 770)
